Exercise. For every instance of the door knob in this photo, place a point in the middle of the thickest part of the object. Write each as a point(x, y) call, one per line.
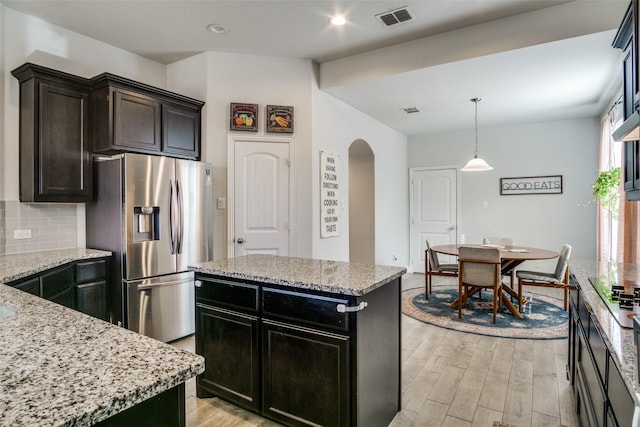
point(240, 240)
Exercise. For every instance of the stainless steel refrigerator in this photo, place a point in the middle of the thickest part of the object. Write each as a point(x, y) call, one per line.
point(156, 215)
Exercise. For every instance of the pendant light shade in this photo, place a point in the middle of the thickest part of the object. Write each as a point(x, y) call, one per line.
point(476, 164)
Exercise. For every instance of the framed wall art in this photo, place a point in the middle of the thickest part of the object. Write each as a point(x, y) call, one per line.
point(531, 185)
point(243, 117)
point(279, 118)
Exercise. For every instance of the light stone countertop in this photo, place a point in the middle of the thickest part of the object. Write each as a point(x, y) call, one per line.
point(335, 277)
point(61, 367)
point(17, 266)
point(618, 339)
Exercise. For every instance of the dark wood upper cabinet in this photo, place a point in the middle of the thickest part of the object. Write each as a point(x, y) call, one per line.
point(65, 119)
point(134, 117)
point(55, 156)
point(627, 39)
point(181, 130)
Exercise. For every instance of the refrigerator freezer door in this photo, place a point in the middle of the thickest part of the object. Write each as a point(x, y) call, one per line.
point(195, 196)
point(149, 181)
point(162, 307)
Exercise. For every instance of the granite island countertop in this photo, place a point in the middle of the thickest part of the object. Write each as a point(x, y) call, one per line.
point(344, 278)
point(61, 367)
point(619, 339)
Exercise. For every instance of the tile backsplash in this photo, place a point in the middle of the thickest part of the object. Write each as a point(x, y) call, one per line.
point(50, 225)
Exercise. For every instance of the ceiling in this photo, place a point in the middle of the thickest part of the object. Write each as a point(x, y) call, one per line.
point(527, 60)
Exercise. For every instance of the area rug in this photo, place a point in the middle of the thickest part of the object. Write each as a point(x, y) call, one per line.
point(543, 318)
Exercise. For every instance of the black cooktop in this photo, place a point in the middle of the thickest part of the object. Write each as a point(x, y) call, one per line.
point(623, 301)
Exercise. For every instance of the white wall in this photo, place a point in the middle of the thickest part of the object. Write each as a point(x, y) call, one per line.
point(568, 148)
point(258, 80)
point(335, 126)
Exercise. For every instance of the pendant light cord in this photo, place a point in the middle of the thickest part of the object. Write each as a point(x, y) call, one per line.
point(475, 101)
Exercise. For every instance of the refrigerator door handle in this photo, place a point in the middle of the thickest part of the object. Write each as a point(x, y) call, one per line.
point(172, 219)
point(180, 232)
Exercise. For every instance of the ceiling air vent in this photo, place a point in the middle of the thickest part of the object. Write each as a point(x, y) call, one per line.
point(411, 110)
point(396, 16)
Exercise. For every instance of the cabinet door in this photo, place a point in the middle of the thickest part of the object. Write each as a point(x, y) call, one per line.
point(571, 354)
point(305, 375)
point(229, 343)
point(593, 393)
point(631, 170)
point(91, 299)
point(59, 285)
point(621, 401)
point(31, 286)
point(62, 152)
point(136, 122)
point(181, 131)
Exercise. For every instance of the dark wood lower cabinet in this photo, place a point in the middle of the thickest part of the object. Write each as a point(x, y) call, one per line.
point(305, 375)
point(293, 356)
point(31, 286)
point(166, 409)
point(229, 343)
point(91, 298)
point(601, 396)
point(80, 285)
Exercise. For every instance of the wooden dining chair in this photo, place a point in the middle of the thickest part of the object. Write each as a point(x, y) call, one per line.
point(479, 268)
point(432, 267)
point(501, 242)
point(558, 279)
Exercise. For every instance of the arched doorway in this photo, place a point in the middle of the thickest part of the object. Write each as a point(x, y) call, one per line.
point(362, 224)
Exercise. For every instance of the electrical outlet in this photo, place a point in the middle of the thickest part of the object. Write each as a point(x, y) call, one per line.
point(22, 234)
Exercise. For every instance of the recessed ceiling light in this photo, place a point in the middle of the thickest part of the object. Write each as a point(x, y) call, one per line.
point(338, 20)
point(217, 28)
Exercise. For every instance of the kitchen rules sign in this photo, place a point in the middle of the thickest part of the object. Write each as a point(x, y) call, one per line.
point(329, 195)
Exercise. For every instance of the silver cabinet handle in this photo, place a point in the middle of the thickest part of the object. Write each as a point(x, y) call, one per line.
point(453, 227)
point(240, 240)
point(345, 309)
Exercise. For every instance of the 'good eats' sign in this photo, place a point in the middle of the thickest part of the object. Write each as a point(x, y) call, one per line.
point(531, 185)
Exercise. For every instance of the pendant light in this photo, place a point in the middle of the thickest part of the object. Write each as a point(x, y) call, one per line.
point(476, 164)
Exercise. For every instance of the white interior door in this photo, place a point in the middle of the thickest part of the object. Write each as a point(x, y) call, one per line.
point(261, 193)
point(433, 211)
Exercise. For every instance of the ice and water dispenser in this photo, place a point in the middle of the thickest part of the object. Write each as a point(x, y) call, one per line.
point(146, 223)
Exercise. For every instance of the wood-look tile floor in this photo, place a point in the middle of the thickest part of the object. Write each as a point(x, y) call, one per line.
point(449, 379)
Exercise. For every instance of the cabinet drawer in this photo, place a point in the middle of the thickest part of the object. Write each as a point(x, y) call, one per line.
point(227, 293)
point(57, 281)
point(304, 308)
point(621, 402)
point(91, 271)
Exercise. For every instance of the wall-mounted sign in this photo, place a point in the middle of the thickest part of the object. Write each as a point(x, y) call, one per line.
point(531, 185)
point(279, 119)
point(329, 195)
point(243, 117)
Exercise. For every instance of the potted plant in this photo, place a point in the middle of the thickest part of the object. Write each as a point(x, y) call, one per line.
point(606, 189)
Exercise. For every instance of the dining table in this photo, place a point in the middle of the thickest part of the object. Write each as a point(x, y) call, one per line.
point(511, 256)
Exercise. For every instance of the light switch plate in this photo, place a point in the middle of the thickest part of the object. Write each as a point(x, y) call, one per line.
point(222, 203)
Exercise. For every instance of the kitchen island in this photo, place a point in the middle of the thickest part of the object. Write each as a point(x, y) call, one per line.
point(301, 341)
point(61, 367)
